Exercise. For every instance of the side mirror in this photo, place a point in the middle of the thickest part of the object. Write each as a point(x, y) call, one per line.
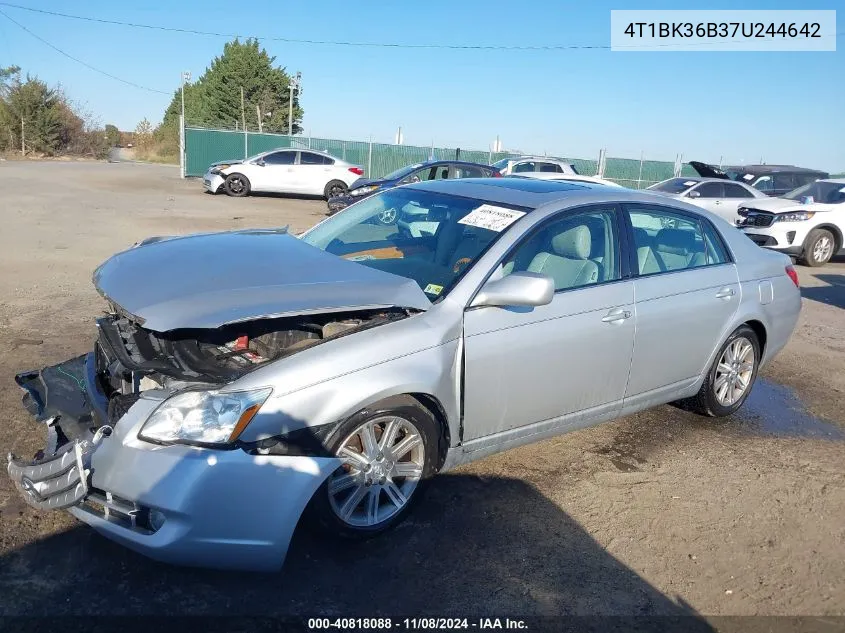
point(260, 162)
point(517, 289)
point(694, 194)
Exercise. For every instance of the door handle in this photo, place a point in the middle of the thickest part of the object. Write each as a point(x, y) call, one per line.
point(725, 293)
point(617, 315)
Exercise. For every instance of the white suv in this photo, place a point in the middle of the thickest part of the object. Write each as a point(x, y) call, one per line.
point(808, 223)
point(306, 172)
point(523, 164)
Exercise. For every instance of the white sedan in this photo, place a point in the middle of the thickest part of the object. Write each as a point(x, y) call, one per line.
point(808, 223)
point(307, 172)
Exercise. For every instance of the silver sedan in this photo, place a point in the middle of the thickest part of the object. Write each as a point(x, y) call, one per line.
point(243, 379)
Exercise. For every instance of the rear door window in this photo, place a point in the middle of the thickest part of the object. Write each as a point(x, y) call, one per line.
point(310, 158)
point(736, 191)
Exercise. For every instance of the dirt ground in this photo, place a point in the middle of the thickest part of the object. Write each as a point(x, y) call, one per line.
point(659, 513)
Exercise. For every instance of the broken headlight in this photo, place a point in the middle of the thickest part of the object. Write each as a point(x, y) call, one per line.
point(203, 417)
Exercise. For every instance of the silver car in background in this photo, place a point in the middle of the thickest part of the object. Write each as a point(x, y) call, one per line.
point(243, 379)
point(713, 194)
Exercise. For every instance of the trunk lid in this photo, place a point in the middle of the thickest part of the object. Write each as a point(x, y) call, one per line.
point(708, 171)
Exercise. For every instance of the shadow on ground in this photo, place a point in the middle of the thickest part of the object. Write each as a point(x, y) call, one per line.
point(832, 293)
point(487, 547)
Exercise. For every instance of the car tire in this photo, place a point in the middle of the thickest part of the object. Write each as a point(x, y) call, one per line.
point(375, 482)
point(819, 247)
point(335, 188)
point(740, 350)
point(236, 185)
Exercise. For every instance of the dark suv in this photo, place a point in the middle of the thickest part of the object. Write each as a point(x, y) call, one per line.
point(773, 180)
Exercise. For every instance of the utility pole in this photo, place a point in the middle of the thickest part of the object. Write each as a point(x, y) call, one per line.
point(186, 76)
point(258, 114)
point(23, 137)
point(243, 120)
point(294, 85)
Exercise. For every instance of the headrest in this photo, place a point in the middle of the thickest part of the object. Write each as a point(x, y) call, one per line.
point(641, 237)
point(574, 243)
point(675, 241)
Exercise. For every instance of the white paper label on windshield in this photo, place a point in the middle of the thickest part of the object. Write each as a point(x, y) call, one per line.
point(842, 190)
point(690, 183)
point(492, 218)
point(748, 176)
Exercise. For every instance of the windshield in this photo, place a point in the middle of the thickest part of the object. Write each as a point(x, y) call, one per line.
point(674, 185)
point(401, 172)
point(820, 191)
point(432, 238)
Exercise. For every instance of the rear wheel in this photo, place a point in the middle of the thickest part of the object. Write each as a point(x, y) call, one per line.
point(335, 188)
point(236, 185)
point(819, 247)
point(730, 379)
point(388, 454)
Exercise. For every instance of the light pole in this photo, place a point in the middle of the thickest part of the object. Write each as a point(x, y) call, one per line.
point(295, 83)
point(186, 76)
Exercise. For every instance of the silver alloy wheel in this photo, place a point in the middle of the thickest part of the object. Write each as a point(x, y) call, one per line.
point(822, 249)
point(734, 371)
point(383, 462)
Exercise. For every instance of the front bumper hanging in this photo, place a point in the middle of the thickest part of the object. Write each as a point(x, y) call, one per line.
point(60, 480)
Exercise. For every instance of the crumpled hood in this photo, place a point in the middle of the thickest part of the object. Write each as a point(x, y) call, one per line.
point(236, 161)
point(209, 280)
point(776, 205)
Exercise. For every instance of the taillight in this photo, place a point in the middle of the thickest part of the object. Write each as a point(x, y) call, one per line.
point(357, 171)
point(497, 174)
point(790, 270)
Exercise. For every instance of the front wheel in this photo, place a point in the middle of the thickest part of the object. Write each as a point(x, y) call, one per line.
point(334, 189)
point(819, 247)
point(236, 185)
point(730, 379)
point(388, 454)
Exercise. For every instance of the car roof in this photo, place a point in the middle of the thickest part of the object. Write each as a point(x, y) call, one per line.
point(768, 169)
point(836, 181)
point(530, 193)
point(446, 161)
point(547, 158)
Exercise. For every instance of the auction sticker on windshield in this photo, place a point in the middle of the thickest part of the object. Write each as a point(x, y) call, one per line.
point(491, 217)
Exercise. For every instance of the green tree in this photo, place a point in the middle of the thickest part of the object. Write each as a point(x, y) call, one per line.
point(35, 111)
point(112, 135)
point(215, 99)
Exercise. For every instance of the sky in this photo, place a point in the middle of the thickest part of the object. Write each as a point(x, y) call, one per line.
point(734, 107)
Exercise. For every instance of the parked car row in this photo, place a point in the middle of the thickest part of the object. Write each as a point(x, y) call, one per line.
point(803, 222)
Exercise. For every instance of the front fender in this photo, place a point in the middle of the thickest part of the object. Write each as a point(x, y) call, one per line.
point(434, 371)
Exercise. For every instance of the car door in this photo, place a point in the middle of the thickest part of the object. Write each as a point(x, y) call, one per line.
point(687, 291)
point(539, 367)
point(314, 171)
point(707, 195)
point(274, 172)
point(735, 195)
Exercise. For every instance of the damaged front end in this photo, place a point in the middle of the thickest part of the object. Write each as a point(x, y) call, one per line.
point(83, 400)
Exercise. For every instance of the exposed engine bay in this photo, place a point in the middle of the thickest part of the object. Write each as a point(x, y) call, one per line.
point(130, 357)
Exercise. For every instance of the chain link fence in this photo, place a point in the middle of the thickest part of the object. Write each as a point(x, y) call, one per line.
point(205, 146)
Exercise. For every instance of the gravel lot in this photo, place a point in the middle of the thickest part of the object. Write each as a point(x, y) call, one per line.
point(658, 513)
